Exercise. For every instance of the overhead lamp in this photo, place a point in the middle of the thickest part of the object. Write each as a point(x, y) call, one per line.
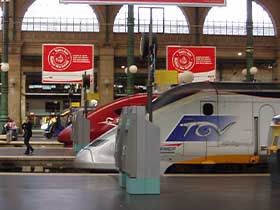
point(132, 69)
point(253, 70)
point(186, 77)
point(5, 67)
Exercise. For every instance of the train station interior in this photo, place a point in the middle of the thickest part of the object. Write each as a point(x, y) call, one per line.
point(155, 105)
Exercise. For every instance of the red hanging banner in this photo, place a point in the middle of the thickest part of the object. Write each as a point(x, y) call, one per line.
point(200, 60)
point(205, 3)
point(64, 63)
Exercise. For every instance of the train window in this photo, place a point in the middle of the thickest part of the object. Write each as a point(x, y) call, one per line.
point(97, 142)
point(208, 109)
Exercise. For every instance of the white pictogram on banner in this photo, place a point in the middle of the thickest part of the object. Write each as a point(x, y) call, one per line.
point(60, 58)
point(183, 60)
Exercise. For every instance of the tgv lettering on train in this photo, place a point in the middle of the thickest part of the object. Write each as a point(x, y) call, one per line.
point(204, 129)
point(201, 128)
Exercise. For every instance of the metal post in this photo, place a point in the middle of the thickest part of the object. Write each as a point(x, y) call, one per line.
point(55, 104)
point(85, 86)
point(130, 49)
point(71, 93)
point(4, 75)
point(249, 47)
point(85, 103)
point(150, 70)
point(197, 34)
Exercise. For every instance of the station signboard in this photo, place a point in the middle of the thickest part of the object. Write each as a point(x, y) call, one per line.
point(200, 60)
point(204, 3)
point(66, 63)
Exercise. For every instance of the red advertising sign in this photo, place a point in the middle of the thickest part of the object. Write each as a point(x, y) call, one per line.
point(66, 63)
point(181, 2)
point(200, 60)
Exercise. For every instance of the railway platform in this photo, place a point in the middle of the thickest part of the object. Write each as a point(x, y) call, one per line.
point(101, 191)
point(43, 159)
point(49, 155)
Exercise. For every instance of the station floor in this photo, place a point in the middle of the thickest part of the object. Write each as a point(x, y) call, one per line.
point(102, 192)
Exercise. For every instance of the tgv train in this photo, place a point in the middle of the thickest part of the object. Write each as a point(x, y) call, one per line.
point(105, 117)
point(212, 123)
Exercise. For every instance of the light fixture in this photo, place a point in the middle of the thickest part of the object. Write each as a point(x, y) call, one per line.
point(253, 70)
point(244, 72)
point(239, 53)
point(133, 69)
point(5, 67)
point(186, 77)
point(93, 103)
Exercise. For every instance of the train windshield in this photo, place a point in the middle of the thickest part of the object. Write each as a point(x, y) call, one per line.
point(110, 135)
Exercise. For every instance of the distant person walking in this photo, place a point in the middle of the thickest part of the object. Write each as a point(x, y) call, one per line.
point(27, 127)
point(11, 130)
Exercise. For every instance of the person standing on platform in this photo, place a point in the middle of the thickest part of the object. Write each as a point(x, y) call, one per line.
point(27, 127)
point(12, 130)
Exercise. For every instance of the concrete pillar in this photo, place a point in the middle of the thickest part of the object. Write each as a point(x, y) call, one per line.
point(14, 85)
point(276, 68)
point(106, 75)
point(196, 17)
point(23, 98)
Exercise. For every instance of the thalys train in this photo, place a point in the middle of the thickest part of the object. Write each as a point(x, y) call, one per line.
point(210, 123)
point(105, 117)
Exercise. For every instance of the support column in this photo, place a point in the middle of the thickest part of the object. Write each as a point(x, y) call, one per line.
point(130, 49)
point(106, 75)
point(14, 86)
point(23, 98)
point(197, 29)
point(276, 68)
point(249, 46)
point(5, 59)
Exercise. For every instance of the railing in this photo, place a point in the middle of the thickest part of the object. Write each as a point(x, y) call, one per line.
point(60, 24)
point(169, 26)
point(237, 28)
point(211, 27)
point(159, 26)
